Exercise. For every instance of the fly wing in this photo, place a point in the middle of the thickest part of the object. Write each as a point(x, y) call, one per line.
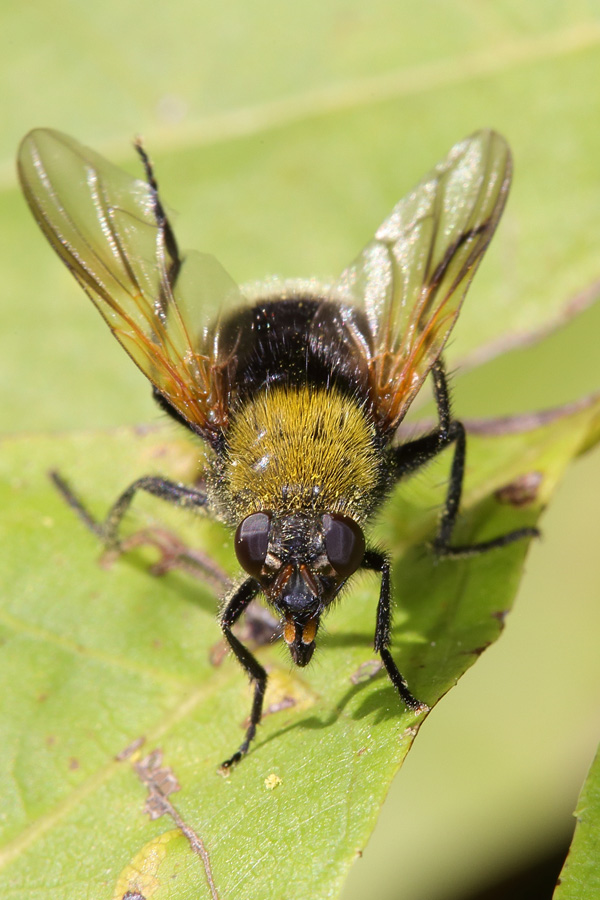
point(110, 231)
point(410, 280)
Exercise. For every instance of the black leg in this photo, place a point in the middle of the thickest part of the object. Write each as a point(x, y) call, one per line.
point(235, 607)
point(441, 543)
point(162, 221)
point(414, 454)
point(108, 530)
point(377, 562)
point(169, 264)
point(168, 258)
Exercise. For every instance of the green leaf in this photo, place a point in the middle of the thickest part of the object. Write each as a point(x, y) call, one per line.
point(580, 877)
point(96, 658)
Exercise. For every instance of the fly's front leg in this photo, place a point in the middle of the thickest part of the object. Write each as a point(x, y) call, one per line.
point(378, 562)
point(108, 530)
point(233, 610)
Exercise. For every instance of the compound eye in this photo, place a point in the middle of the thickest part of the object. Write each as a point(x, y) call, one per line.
point(252, 542)
point(344, 543)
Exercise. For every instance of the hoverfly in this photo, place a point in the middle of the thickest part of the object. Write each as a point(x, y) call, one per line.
point(298, 393)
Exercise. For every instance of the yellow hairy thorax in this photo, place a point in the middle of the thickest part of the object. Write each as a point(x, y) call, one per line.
point(303, 449)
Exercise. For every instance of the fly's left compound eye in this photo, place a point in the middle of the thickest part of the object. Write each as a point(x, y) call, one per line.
point(252, 542)
point(344, 543)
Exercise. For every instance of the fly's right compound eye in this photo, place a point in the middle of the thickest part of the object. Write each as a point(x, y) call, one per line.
point(252, 542)
point(344, 543)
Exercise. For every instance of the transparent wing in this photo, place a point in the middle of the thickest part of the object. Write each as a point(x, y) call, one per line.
point(410, 281)
point(110, 231)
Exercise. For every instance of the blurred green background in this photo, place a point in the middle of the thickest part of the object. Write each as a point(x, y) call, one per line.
point(282, 135)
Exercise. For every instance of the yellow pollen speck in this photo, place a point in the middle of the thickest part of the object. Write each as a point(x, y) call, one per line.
point(272, 781)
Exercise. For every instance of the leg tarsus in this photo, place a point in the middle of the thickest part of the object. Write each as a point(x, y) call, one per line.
point(445, 551)
point(399, 682)
point(75, 503)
